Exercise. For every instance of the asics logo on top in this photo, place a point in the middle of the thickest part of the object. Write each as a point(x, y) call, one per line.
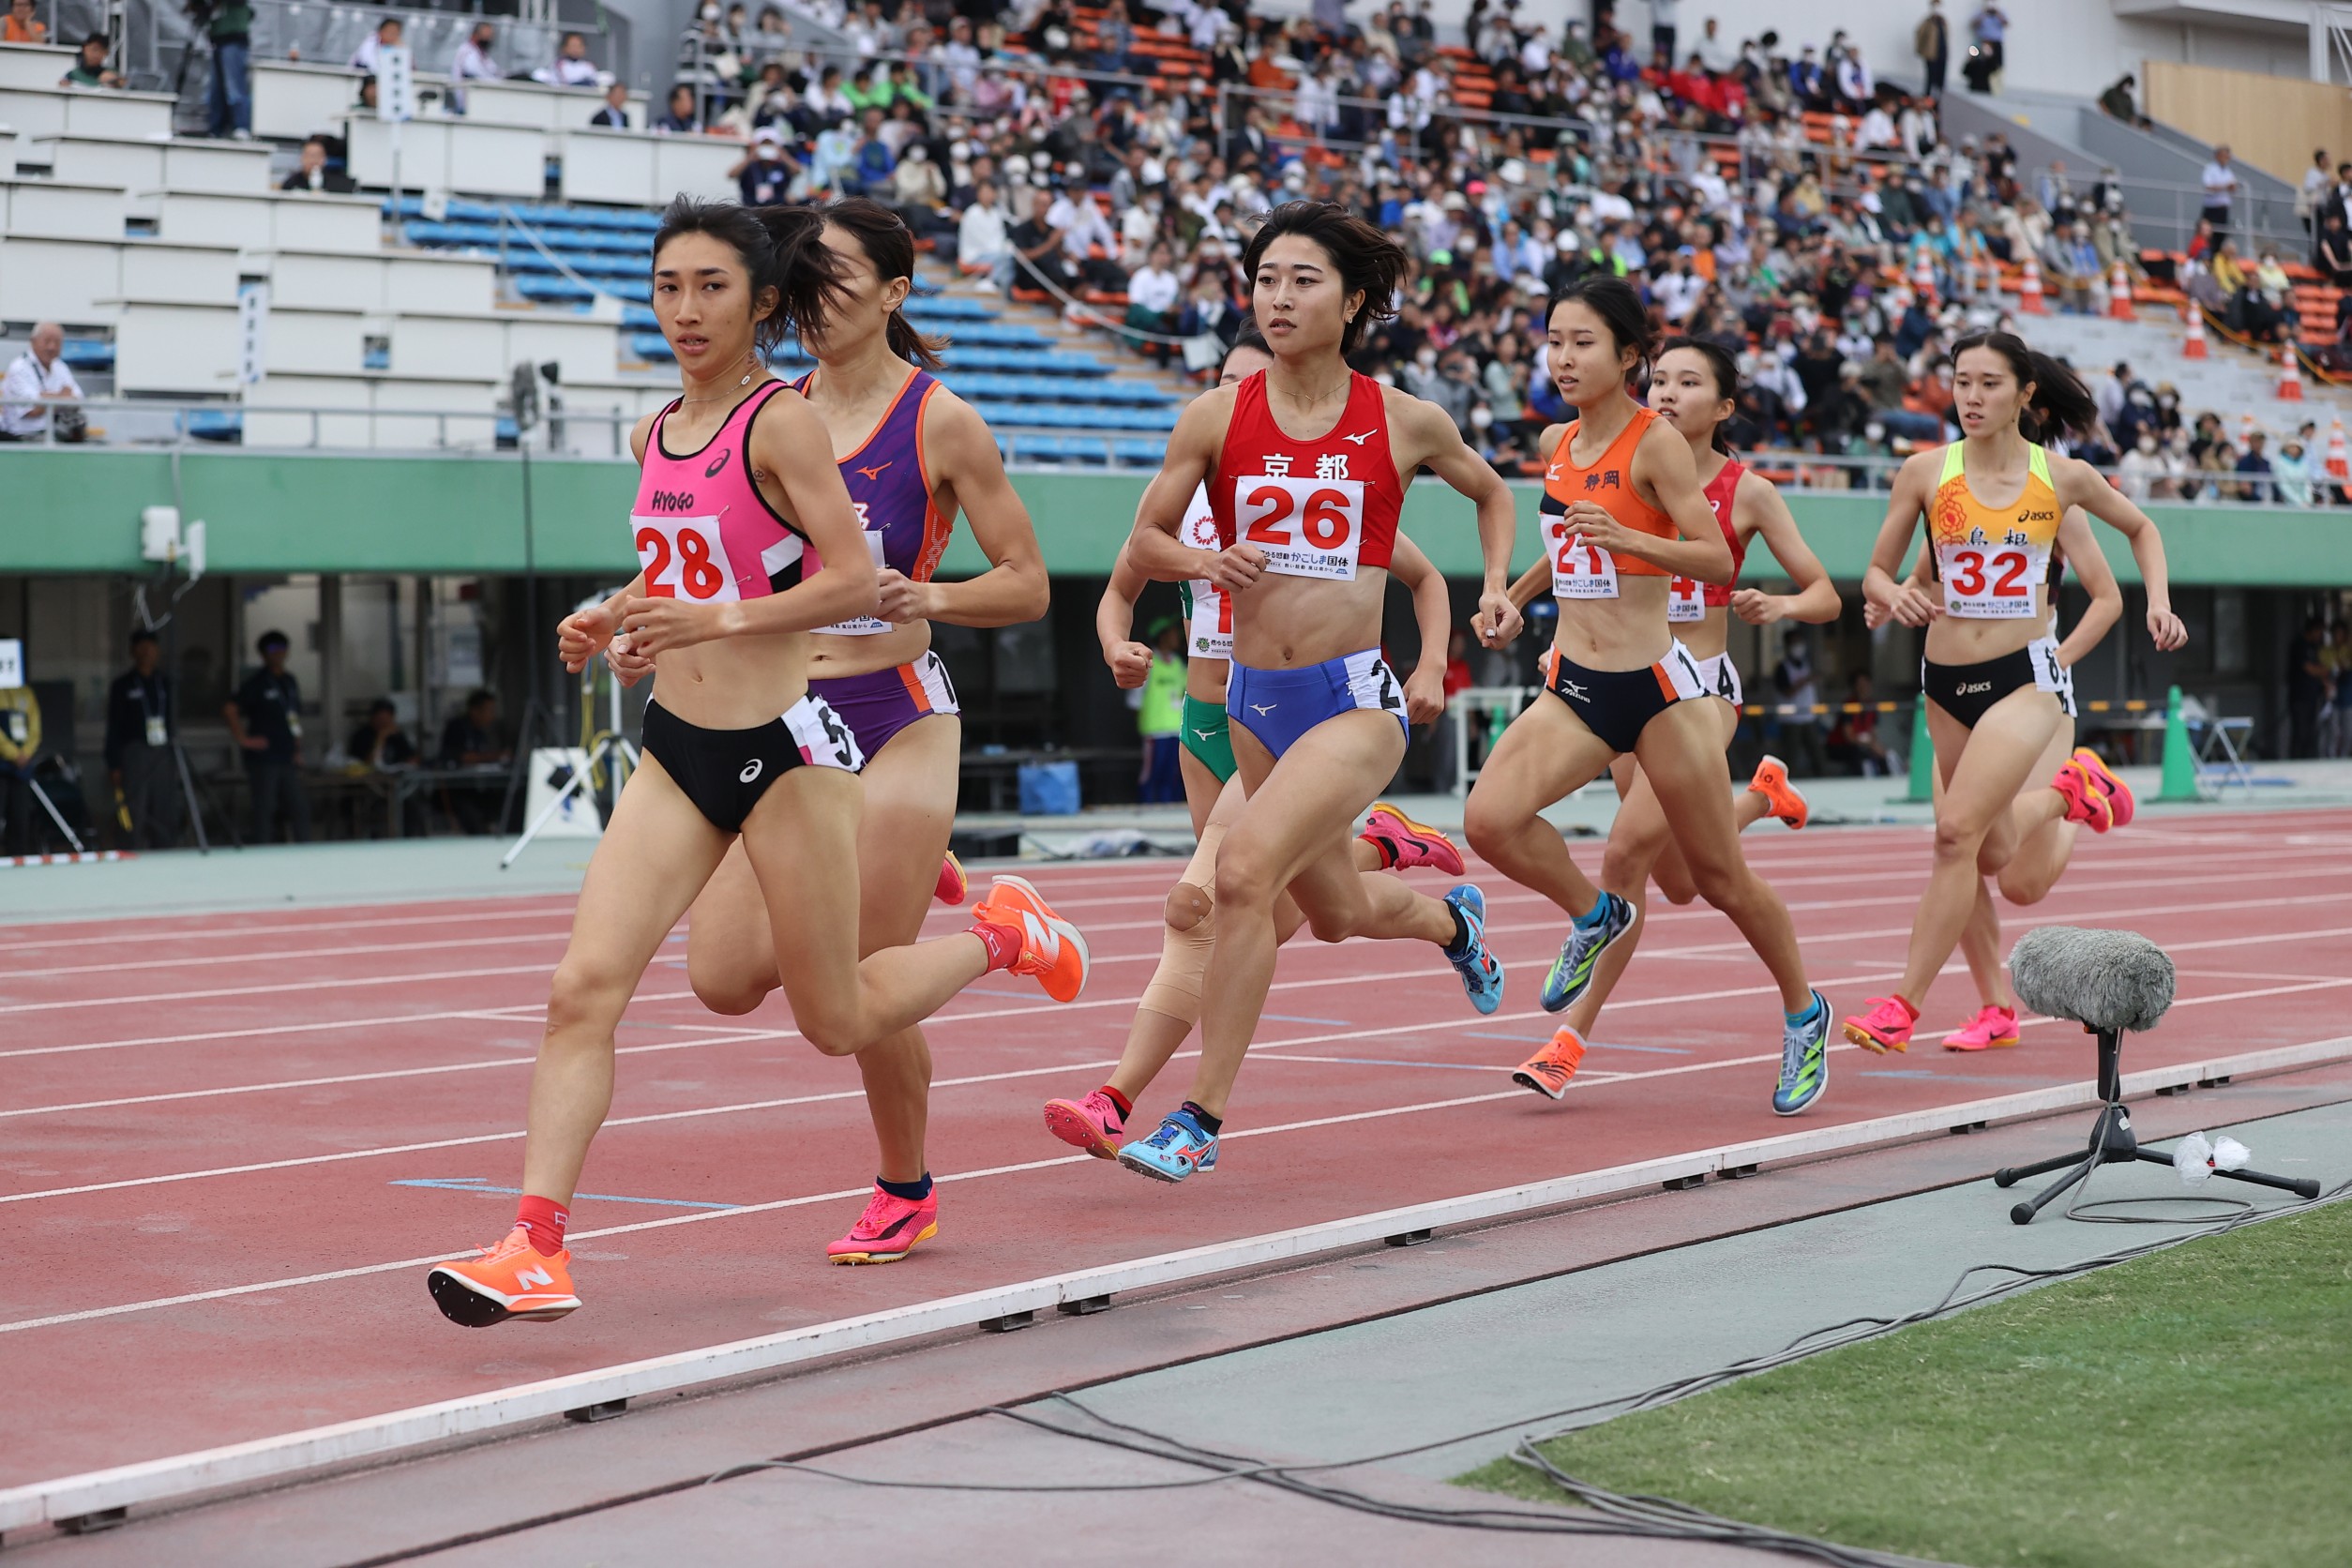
point(534, 1275)
point(672, 500)
point(1357, 440)
point(1970, 687)
point(719, 462)
point(1605, 481)
point(1264, 707)
point(750, 770)
point(874, 472)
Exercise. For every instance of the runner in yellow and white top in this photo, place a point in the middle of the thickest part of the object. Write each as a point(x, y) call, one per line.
point(1995, 686)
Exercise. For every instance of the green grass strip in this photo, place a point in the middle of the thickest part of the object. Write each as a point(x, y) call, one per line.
point(2194, 1407)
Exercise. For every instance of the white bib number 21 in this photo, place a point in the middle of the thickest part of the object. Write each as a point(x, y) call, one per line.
point(685, 558)
point(1306, 527)
point(1580, 570)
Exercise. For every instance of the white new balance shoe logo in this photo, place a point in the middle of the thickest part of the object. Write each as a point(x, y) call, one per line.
point(534, 1277)
point(1043, 938)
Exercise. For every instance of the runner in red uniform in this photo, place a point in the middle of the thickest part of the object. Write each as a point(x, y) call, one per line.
point(1306, 464)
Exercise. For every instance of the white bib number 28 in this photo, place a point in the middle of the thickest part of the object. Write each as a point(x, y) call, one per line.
point(1306, 527)
point(1580, 569)
point(685, 558)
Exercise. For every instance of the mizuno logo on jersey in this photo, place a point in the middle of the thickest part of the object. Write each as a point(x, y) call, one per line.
point(874, 472)
point(1552, 473)
point(1264, 707)
point(1357, 440)
point(672, 500)
point(1571, 689)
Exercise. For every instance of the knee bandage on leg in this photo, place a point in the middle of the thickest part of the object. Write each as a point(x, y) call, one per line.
point(1174, 989)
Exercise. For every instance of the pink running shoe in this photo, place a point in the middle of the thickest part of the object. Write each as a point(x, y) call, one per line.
point(951, 886)
point(2085, 802)
point(1886, 1027)
point(1991, 1027)
point(1093, 1123)
point(1405, 843)
point(890, 1228)
point(2102, 778)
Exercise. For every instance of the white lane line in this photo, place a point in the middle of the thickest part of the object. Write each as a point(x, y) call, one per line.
point(283, 955)
point(246, 931)
point(344, 982)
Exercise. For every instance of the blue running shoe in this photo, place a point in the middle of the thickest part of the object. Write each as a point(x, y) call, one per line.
point(1174, 1151)
point(1572, 971)
point(1804, 1060)
point(1480, 970)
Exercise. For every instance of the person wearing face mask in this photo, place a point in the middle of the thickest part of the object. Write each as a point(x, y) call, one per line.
point(2141, 468)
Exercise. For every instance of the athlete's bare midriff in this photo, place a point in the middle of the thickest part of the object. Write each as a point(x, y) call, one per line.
point(1628, 632)
point(1957, 639)
point(733, 682)
point(1286, 622)
point(832, 657)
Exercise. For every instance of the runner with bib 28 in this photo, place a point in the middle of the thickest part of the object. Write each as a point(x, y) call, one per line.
point(1306, 464)
point(1623, 514)
point(1996, 687)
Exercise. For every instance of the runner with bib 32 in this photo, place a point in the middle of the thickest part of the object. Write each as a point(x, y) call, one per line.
point(1306, 464)
point(1996, 687)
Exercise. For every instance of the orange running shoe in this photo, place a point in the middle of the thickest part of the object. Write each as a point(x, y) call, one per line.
point(1548, 1070)
point(513, 1279)
point(1406, 843)
point(2085, 802)
point(2120, 807)
point(952, 887)
point(1886, 1027)
point(1787, 801)
point(1053, 950)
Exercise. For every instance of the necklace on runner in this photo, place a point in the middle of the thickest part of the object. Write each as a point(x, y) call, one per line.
point(724, 396)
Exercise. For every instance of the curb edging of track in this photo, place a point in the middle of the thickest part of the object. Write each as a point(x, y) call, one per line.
point(292, 1455)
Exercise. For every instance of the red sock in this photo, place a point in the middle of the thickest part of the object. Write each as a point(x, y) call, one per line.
point(545, 1220)
point(1003, 942)
point(1386, 851)
point(1125, 1108)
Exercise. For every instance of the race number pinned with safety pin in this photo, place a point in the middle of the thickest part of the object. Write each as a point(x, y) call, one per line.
point(685, 558)
point(1580, 569)
point(1307, 527)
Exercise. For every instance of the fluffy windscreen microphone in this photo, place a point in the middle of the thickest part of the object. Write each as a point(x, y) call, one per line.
point(2117, 982)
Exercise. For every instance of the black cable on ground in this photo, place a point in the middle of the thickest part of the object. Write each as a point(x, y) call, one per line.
point(1617, 1513)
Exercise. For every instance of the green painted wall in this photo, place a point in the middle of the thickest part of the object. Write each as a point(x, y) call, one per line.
point(78, 511)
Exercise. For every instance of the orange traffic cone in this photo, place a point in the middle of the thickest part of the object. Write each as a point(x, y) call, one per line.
point(1924, 279)
point(2195, 347)
point(2030, 289)
point(2339, 463)
point(2290, 376)
point(2119, 296)
point(2245, 430)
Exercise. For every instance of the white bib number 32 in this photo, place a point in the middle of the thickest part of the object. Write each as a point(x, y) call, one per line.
point(1580, 570)
point(1990, 582)
point(685, 558)
point(1306, 527)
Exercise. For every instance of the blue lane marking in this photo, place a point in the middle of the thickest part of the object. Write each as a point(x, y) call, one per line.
point(480, 1184)
point(1293, 1018)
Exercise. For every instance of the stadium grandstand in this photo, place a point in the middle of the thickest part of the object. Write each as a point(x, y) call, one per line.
point(311, 316)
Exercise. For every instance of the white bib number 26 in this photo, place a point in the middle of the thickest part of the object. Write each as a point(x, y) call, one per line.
point(685, 558)
point(1306, 527)
point(1580, 569)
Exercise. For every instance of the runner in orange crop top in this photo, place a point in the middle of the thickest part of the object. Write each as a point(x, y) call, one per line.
point(1996, 684)
point(1624, 512)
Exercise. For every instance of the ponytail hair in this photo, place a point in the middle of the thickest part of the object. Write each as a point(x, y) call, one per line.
point(781, 248)
point(1721, 366)
point(2059, 403)
point(889, 244)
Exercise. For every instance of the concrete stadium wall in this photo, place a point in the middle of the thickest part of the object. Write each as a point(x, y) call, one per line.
point(67, 511)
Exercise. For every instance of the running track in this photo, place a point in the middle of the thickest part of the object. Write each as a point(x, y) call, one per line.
point(230, 1145)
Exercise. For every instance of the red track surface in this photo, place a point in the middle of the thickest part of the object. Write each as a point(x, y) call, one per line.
point(205, 1122)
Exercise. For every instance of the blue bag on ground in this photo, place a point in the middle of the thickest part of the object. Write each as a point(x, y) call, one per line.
point(1049, 788)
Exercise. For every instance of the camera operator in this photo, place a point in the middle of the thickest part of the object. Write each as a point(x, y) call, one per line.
point(230, 26)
